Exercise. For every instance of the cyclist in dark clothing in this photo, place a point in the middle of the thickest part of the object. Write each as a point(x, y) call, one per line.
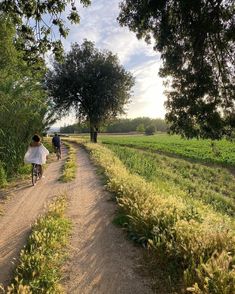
point(56, 144)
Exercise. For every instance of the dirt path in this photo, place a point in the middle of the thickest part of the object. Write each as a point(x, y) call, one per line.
point(101, 259)
point(20, 212)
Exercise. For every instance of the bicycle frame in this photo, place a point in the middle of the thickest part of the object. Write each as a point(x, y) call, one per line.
point(36, 173)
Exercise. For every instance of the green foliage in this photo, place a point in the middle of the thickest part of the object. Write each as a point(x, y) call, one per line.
point(196, 42)
point(213, 277)
point(47, 142)
point(150, 130)
point(223, 151)
point(192, 181)
point(131, 125)
point(3, 176)
point(35, 28)
point(38, 269)
point(140, 128)
point(69, 169)
point(124, 125)
point(25, 170)
point(91, 81)
point(23, 101)
point(187, 238)
point(75, 128)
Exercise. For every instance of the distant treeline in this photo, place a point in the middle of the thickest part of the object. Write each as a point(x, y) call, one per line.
point(140, 124)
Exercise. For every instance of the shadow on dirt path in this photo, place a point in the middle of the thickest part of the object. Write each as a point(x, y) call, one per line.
point(101, 259)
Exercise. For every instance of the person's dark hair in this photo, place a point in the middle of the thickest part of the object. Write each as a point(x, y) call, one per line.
point(56, 134)
point(36, 138)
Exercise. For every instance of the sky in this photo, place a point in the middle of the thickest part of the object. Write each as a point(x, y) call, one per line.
point(99, 24)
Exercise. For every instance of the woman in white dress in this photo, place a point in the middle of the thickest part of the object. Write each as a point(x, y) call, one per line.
point(36, 153)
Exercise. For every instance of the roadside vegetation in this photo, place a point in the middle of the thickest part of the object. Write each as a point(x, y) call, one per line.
point(219, 152)
point(23, 108)
point(47, 142)
point(192, 239)
point(38, 270)
point(69, 168)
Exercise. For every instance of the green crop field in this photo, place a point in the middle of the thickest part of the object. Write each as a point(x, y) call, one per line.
point(213, 186)
point(222, 152)
point(179, 175)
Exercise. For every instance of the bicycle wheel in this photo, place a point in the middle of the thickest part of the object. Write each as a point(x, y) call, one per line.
point(34, 173)
point(58, 153)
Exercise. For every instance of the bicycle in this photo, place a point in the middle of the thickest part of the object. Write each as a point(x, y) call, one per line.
point(58, 153)
point(36, 173)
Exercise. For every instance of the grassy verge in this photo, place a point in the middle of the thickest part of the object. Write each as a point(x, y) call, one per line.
point(69, 168)
point(3, 176)
point(47, 142)
point(195, 241)
point(38, 270)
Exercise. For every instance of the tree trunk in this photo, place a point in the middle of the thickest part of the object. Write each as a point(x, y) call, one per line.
point(91, 133)
point(95, 134)
point(96, 129)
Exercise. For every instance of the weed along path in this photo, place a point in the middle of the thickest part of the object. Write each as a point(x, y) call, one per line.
point(20, 212)
point(101, 259)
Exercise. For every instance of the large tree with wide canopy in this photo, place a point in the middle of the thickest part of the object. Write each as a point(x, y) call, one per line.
point(196, 42)
point(92, 82)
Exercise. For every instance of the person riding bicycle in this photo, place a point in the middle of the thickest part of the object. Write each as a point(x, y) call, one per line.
point(57, 144)
point(37, 153)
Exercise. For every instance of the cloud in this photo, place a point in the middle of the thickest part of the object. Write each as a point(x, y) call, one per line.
point(148, 97)
point(99, 24)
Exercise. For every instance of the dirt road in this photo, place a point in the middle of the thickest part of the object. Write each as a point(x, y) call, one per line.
point(20, 212)
point(101, 259)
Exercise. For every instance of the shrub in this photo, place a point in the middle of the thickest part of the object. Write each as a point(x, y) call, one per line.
point(140, 128)
point(150, 130)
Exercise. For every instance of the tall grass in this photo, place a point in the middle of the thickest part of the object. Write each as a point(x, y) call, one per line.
point(38, 270)
point(69, 168)
point(196, 240)
point(3, 176)
point(214, 186)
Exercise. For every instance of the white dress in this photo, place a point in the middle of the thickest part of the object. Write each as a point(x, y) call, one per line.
point(36, 155)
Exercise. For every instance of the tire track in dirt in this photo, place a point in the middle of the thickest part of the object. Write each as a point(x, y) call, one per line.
point(101, 259)
point(20, 212)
